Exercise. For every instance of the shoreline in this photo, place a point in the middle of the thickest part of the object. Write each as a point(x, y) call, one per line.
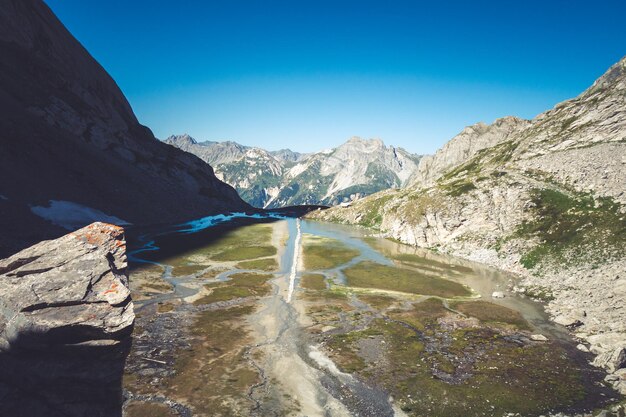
point(565, 304)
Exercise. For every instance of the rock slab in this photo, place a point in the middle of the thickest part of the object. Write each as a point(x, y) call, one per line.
point(66, 318)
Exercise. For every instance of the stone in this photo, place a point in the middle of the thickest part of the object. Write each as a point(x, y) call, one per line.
point(75, 286)
point(612, 359)
point(582, 347)
point(538, 338)
point(66, 315)
point(568, 321)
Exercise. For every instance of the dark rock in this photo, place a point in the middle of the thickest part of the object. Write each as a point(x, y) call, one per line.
point(69, 134)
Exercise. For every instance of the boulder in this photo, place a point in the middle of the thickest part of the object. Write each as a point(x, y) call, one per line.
point(613, 359)
point(65, 315)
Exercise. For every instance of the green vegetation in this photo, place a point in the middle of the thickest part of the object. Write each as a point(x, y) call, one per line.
point(494, 157)
point(146, 280)
point(264, 264)
point(379, 302)
point(458, 187)
point(421, 203)
point(182, 269)
point(324, 253)
point(432, 264)
point(313, 282)
point(212, 376)
point(422, 314)
point(573, 228)
point(241, 253)
point(241, 285)
point(238, 244)
point(492, 313)
point(539, 293)
point(372, 210)
point(477, 370)
point(382, 277)
point(145, 409)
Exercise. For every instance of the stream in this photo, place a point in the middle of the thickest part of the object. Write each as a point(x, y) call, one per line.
point(322, 351)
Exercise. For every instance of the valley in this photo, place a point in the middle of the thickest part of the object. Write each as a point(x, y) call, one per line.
point(224, 328)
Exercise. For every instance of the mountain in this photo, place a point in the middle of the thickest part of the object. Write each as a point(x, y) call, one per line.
point(72, 147)
point(465, 145)
point(284, 178)
point(544, 198)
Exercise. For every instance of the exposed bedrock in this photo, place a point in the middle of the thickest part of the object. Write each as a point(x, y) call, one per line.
point(66, 319)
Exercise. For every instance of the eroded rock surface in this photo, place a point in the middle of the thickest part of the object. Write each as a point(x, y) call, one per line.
point(66, 317)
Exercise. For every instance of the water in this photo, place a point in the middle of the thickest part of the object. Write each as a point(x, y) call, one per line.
point(336, 352)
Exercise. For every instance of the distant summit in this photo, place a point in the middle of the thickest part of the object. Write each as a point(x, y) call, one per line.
point(272, 179)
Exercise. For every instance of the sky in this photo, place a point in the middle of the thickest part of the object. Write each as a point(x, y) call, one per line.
point(310, 74)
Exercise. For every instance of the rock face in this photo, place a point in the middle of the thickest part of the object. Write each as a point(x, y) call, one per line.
point(285, 178)
point(464, 146)
point(68, 134)
point(66, 317)
point(543, 198)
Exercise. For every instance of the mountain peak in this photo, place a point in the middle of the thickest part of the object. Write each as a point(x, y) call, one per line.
point(377, 142)
point(614, 75)
point(181, 139)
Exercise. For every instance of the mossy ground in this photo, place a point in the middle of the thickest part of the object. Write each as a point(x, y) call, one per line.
point(492, 313)
point(437, 363)
point(239, 286)
point(263, 264)
point(240, 244)
point(324, 253)
point(572, 228)
point(313, 282)
point(377, 276)
point(146, 281)
point(432, 264)
point(146, 409)
point(212, 376)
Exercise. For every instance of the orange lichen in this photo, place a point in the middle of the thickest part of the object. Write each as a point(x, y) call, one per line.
point(99, 233)
point(113, 288)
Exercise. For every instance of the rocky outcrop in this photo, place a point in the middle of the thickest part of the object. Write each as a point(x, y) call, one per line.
point(66, 319)
point(464, 146)
point(544, 199)
point(68, 134)
point(284, 178)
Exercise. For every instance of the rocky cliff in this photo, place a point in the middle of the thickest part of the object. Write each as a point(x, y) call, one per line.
point(69, 135)
point(284, 178)
point(541, 198)
point(66, 318)
point(464, 146)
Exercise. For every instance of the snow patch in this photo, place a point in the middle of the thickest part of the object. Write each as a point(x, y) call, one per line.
point(72, 216)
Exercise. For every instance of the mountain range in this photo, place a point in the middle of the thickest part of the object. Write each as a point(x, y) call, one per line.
point(271, 179)
point(543, 198)
point(72, 148)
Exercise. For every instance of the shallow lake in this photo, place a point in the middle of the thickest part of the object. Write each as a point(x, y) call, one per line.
point(276, 316)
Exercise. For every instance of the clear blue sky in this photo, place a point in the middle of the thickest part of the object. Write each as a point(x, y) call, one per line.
point(308, 74)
